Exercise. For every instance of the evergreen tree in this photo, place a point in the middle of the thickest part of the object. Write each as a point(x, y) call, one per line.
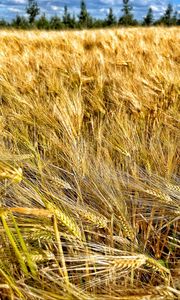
point(127, 17)
point(55, 23)
point(98, 23)
point(72, 22)
point(148, 20)
point(167, 17)
point(111, 19)
point(3, 23)
point(20, 22)
point(32, 10)
point(175, 18)
point(178, 20)
point(66, 17)
point(90, 22)
point(43, 23)
point(85, 20)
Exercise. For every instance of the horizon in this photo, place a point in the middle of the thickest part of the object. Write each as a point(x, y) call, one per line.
point(97, 9)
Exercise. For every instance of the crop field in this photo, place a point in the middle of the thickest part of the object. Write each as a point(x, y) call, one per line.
point(90, 164)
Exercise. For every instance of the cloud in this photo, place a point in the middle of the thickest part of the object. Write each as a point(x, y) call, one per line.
point(19, 1)
point(13, 9)
point(154, 8)
point(54, 7)
point(109, 2)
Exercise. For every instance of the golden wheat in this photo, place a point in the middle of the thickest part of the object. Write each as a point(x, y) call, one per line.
point(163, 197)
point(65, 220)
point(129, 262)
point(89, 132)
point(7, 172)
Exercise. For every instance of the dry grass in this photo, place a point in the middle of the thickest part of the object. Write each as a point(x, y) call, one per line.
point(90, 164)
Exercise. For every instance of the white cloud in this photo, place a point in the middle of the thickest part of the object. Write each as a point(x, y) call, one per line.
point(55, 8)
point(110, 2)
point(142, 2)
point(155, 8)
point(13, 9)
point(19, 1)
point(104, 10)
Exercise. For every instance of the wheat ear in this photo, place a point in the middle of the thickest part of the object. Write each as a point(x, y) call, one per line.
point(49, 212)
point(155, 265)
point(14, 174)
point(42, 256)
point(95, 219)
point(163, 197)
point(173, 187)
point(129, 262)
point(126, 228)
point(65, 220)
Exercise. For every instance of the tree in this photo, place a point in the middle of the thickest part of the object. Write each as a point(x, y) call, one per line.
point(127, 17)
point(83, 13)
point(55, 23)
point(178, 20)
point(66, 17)
point(72, 22)
point(42, 23)
point(98, 23)
point(148, 19)
point(20, 22)
point(3, 23)
point(85, 20)
point(167, 17)
point(111, 19)
point(32, 10)
point(175, 18)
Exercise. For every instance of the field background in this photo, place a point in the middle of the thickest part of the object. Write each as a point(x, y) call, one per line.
point(90, 164)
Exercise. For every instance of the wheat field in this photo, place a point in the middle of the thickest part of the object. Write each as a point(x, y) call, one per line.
point(90, 164)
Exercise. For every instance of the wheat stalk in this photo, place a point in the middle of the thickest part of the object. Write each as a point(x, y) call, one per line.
point(51, 210)
point(159, 292)
point(15, 174)
point(88, 119)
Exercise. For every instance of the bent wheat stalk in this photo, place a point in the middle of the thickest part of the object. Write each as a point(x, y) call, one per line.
point(49, 212)
point(163, 197)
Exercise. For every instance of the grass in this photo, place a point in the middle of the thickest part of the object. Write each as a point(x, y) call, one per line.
point(89, 164)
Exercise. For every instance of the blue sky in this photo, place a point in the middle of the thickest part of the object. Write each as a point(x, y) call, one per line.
point(97, 8)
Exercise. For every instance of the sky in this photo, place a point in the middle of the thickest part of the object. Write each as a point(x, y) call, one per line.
point(97, 8)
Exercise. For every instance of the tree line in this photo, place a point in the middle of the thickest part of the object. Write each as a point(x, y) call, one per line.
point(85, 20)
